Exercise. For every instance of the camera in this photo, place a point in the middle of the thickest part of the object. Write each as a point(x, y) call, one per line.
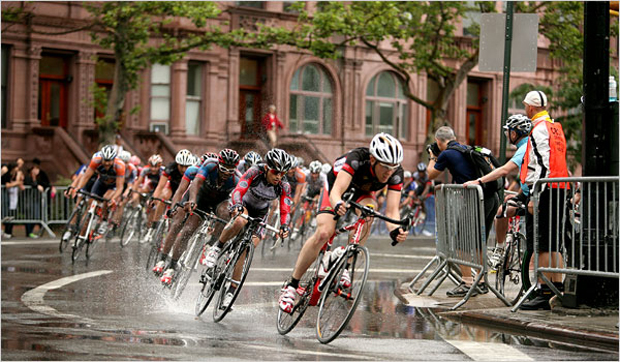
point(433, 147)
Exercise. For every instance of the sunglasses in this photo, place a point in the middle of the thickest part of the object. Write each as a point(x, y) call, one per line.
point(388, 166)
point(275, 172)
point(225, 169)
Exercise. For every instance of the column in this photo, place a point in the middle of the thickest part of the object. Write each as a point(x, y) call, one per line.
point(178, 90)
point(233, 94)
point(85, 77)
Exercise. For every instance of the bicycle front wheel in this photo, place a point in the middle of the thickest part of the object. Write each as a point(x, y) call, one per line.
point(338, 302)
point(129, 227)
point(211, 280)
point(187, 265)
point(509, 276)
point(243, 256)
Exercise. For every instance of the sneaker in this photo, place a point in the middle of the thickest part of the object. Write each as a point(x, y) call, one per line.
point(345, 279)
point(227, 300)
point(167, 277)
point(66, 235)
point(203, 256)
point(33, 236)
point(460, 291)
point(495, 259)
point(287, 299)
point(103, 227)
point(540, 302)
point(212, 255)
point(159, 267)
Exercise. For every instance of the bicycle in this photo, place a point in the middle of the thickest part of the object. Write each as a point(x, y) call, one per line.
point(416, 209)
point(70, 229)
point(91, 234)
point(135, 220)
point(327, 292)
point(303, 222)
point(189, 259)
point(220, 277)
point(271, 242)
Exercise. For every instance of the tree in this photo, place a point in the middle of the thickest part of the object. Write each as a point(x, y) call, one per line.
point(142, 33)
point(421, 38)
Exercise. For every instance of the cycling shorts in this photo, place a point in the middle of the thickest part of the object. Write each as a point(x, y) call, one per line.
point(100, 188)
point(89, 184)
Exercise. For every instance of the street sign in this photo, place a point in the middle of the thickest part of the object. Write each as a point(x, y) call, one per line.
point(524, 42)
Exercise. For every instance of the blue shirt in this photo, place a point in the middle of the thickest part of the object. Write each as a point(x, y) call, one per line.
point(460, 167)
point(517, 159)
point(191, 172)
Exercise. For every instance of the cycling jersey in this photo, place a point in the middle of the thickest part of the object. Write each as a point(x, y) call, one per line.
point(261, 193)
point(213, 190)
point(314, 187)
point(149, 177)
point(297, 178)
point(110, 174)
point(174, 175)
point(130, 173)
point(242, 167)
point(191, 173)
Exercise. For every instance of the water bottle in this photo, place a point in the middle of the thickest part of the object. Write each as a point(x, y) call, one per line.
point(324, 265)
point(613, 93)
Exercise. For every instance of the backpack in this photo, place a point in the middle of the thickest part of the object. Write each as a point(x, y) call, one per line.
point(484, 162)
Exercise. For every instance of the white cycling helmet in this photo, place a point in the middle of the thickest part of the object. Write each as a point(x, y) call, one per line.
point(315, 166)
point(108, 153)
point(326, 168)
point(125, 156)
point(155, 160)
point(407, 174)
point(184, 158)
point(277, 159)
point(386, 149)
point(518, 123)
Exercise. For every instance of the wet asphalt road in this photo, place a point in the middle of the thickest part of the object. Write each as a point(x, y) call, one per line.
point(112, 309)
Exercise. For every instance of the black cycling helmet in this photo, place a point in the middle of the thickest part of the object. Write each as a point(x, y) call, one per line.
point(277, 159)
point(421, 167)
point(229, 157)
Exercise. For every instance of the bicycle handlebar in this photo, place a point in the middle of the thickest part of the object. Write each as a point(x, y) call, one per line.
point(209, 215)
point(260, 222)
point(162, 200)
point(369, 211)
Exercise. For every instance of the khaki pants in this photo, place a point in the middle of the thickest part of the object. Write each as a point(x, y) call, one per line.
point(273, 138)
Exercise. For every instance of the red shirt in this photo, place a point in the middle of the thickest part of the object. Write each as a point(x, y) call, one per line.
point(270, 121)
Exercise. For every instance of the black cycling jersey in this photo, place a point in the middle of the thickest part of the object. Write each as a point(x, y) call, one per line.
point(174, 176)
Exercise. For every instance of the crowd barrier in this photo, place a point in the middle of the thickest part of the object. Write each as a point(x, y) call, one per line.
point(583, 228)
point(31, 206)
point(461, 239)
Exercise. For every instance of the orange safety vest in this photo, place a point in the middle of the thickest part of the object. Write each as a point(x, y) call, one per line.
point(557, 156)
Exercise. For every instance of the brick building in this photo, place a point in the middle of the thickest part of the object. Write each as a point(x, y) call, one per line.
point(216, 98)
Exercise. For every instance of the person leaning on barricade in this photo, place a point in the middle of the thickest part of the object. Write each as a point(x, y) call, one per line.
point(462, 170)
point(516, 129)
point(545, 157)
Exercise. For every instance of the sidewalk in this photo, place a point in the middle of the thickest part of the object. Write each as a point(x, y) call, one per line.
point(586, 327)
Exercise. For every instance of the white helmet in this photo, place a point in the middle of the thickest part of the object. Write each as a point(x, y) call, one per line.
point(315, 166)
point(386, 149)
point(125, 156)
point(155, 159)
point(184, 158)
point(326, 167)
point(406, 174)
point(108, 153)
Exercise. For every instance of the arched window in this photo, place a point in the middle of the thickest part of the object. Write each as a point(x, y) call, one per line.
point(386, 106)
point(311, 101)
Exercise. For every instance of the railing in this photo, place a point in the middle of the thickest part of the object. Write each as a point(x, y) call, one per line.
point(461, 239)
point(581, 226)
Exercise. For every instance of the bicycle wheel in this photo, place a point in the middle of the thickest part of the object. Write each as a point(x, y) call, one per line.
point(153, 257)
point(246, 251)
point(77, 213)
point(419, 223)
point(187, 263)
point(509, 276)
point(129, 227)
point(286, 322)
point(93, 239)
point(211, 280)
point(77, 247)
point(528, 278)
point(338, 304)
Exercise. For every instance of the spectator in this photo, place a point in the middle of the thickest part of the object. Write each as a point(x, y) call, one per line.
point(545, 157)
point(39, 180)
point(13, 180)
point(118, 147)
point(462, 170)
point(271, 123)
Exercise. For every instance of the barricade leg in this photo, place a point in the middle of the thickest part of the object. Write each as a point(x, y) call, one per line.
point(469, 293)
point(432, 277)
point(435, 259)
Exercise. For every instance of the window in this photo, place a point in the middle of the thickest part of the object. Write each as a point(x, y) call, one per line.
point(251, 4)
point(5, 77)
point(104, 77)
point(311, 107)
point(386, 106)
point(193, 98)
point(471, 20)
point(160, 93)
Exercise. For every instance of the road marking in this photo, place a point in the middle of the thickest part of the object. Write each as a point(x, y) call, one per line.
point(33, 298)
point(278, 350)
point(29, 242)
point(371, 270)
point(425, 257)
point(489, 351)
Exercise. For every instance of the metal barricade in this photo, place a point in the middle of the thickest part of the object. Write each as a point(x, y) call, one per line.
point(461, 238)
point(27, 206)
point(60, 207)
point(581, 225)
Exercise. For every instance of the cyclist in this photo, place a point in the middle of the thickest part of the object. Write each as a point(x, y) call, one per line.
point(297, 179)
point(209, 192)
point(149, 176)
point(110, 172)
point(130, 176)
point(168, 184)
point(316, 182)
point(367, 170)
point(516, 129)
point(252, 196)
point(250, 159)
point(79, 174)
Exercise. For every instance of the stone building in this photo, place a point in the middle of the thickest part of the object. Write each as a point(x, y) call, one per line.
point(216, 98)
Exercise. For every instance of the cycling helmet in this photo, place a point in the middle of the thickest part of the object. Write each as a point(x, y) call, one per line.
point(125, 156)
point(229, 157)
point(277, 159)
point(386, 148)
point(326, 168)
point(108, 153)
point(407, 174)
point(519, 123)
point(300, 162)
point(421, 167)
point(184, 158)
point(155, 160)
point(135, 160)
point(209, 156)
point(315, 166)
point(294, 162)
point(252, 158)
